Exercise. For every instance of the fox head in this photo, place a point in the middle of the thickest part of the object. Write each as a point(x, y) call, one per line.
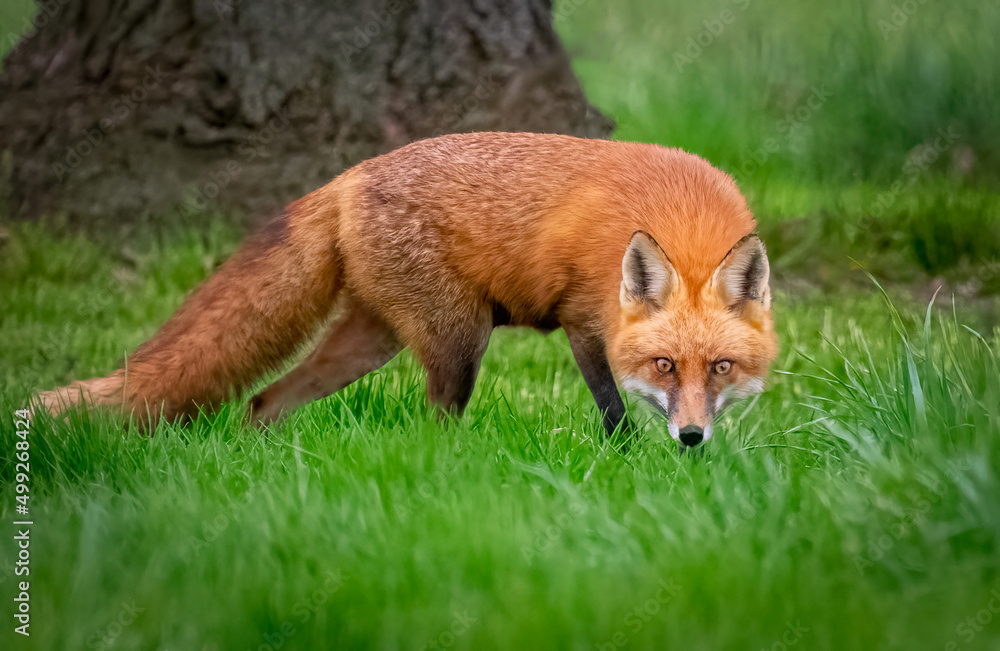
point(690, 350)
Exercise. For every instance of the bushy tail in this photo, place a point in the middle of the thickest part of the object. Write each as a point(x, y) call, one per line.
point(243, 321)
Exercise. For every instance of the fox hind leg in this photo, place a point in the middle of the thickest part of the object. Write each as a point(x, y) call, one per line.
point(452, 367)
point(355, 345)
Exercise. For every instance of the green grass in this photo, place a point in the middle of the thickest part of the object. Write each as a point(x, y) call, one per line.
point(878, 431)
point(852, 506)
point(884, 93)
point(15, 23)
point(861, 168)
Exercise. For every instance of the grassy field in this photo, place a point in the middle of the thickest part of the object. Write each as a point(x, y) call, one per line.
point(854, 505)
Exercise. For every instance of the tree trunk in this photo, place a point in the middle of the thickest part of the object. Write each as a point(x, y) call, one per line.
point(124, 108)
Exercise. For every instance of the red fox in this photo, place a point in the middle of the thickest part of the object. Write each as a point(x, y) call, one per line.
point(644, 255)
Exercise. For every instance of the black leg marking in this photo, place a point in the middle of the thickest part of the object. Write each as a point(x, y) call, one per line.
point(591, 357)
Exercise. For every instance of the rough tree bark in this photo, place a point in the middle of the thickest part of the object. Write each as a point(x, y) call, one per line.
point(125, 108)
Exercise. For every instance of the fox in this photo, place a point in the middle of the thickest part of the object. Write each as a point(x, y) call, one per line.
point(645, 256)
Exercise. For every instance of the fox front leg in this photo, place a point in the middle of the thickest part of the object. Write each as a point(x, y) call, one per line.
point(591, 356)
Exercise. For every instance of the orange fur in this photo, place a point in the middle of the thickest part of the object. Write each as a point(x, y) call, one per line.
point(436, 243)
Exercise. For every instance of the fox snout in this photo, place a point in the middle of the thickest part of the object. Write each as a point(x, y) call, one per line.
point(690, 435)
point(692, 413)
point(687, 431)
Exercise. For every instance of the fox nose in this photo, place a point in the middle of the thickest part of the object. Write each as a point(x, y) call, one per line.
point(691, 435)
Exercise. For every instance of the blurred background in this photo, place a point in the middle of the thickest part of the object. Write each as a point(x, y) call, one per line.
point(868, 130)
point(853, 505)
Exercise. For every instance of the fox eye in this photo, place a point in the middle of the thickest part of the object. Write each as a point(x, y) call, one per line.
point(664, 365)
point(722, 367)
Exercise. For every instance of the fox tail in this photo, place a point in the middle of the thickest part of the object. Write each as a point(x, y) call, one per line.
point(243, 321)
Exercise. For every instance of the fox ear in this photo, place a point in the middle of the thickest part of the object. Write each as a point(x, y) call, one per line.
point(743, 274)
point(648, 278)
